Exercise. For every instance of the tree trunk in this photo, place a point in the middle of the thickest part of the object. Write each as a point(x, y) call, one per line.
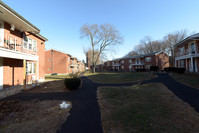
point(93, 69)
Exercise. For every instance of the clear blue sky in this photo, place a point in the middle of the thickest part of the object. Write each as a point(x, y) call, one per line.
point(60, 20)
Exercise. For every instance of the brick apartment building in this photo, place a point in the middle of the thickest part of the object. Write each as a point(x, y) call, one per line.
point(57, 62)
point(131, 63)
point(61, 63)
point(89, 58)
point(187, 53)
point(22, 49)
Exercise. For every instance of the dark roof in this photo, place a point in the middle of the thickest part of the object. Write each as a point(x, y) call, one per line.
point(188, 39)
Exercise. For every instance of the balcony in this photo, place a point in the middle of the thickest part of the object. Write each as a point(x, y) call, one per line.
point(73, 65)
point(187, 54)
point(116, 64)
point(137, 63)
point(13, 48)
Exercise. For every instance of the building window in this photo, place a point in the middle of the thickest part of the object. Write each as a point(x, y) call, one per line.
point(192, 48)
point(49, 59)
point(112, 63)
point(137, 61)
point(130, 61)
point(122, 61)
point(68, 67)
point(182, 63)
point(49, 69)
point(182, 51)
point(122, 67)
point(29, 43)
point(68, 59)
point(148, 59)
point(30, 68)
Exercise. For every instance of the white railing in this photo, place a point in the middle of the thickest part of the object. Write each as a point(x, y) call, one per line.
point(187, 52)
point(16, 44)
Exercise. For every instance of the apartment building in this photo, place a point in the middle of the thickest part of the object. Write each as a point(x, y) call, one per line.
point(22, 49)
point(57, 62)
point(187, 53)
point(132, 63)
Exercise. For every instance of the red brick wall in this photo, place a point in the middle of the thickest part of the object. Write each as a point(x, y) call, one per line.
point(162, 60)
point(56, 62)
point(13, 68)
point(13, 72)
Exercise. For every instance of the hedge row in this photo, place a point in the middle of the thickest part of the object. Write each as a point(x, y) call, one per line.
point(174, 69)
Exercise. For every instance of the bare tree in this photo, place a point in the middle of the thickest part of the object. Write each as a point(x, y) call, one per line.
point(131, 53)
point(101, 38)
point(171, 39)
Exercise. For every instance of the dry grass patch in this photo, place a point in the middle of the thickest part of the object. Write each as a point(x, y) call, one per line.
point(49, 87)
point(119, 77)
point(149, 108)
point(187, 79)
point(32, 116)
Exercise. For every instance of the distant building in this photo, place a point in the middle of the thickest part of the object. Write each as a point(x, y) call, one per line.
point(132, 63)
point(57, 62)
point(89, 58)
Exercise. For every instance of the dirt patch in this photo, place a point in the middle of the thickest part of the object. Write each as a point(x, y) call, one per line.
point(32, 116)
point(48, 87)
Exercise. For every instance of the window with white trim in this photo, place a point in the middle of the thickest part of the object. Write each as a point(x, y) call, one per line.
point(130, 61)
point(122, 61)
point(122, 67)
point(148, 59)
point(182, 63)
point(182, 51)
point(29, 43)
point(30, 68)
point(192, 48)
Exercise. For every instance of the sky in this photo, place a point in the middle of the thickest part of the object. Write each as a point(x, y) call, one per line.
point(60, 21)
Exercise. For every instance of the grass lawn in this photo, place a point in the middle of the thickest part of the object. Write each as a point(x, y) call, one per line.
point(149, 108)
point(118, 77)
point(55, 77)
point(187, 79)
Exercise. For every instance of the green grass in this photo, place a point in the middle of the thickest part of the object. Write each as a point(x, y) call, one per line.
point(149, 108)
point(55, 77)
point(188, 79)
point(114, 77)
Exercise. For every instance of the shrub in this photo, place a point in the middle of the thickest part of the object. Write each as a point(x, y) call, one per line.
point(180, 70)
point(54, 74)
point(175, 70)
point(154, 68)
point(72, 83)
point(140, 70)
point(73, 75)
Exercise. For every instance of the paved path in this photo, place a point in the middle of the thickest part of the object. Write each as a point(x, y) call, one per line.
point(85, 115)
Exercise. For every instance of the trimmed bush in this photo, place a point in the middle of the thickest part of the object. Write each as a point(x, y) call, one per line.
point(175, 70)
point(72, 83)
point(154, 68)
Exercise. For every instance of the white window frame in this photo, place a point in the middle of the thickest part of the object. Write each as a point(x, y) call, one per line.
point(122, 67)
point(122, 61)
point(190, 48)
point(148, 59)
point(33, 66)
point(29, 41)
point(182, 51)
point(130, 61)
